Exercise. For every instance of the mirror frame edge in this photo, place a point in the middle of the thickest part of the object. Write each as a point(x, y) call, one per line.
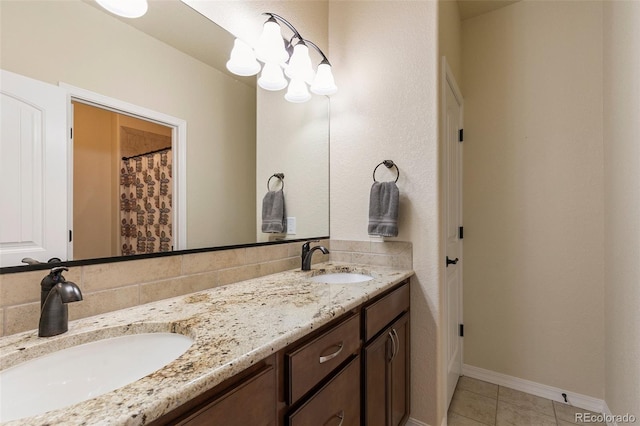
point(84, 262)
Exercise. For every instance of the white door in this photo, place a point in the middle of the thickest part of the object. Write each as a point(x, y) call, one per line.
point(452, 173)
point(33, 170)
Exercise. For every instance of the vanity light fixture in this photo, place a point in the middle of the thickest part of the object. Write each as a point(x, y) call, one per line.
point(125, 8)
point(282, 57)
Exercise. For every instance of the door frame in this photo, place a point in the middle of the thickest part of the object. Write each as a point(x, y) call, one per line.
point(178, 149)
point(448, 80)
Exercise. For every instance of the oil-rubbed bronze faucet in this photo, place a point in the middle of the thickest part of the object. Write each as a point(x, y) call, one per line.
point(307, 253)
point(55, 293)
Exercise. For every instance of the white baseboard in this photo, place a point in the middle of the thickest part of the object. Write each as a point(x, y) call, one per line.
point(577, 400)
point(414, 422)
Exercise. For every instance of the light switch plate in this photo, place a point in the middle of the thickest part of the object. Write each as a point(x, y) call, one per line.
point(291, 225)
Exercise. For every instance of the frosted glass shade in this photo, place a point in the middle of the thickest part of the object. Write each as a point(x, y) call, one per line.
point(243, 60)
point(272, 77)
point(270, 46)
point(324, 83)
point(125, 8)
point(297, 91)
point(300, 64)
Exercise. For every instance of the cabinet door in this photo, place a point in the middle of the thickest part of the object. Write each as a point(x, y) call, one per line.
point(377, 356)
point(399, 382)
point(386, 376)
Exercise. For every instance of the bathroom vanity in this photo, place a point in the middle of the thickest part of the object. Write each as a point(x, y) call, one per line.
point(276, 350)
point(327, 375)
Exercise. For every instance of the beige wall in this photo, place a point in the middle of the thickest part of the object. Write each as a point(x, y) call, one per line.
point(96, 182)
point(76, 43)
point(450, 37)
point(622, 206)
point(386, 108)
point(533, 193)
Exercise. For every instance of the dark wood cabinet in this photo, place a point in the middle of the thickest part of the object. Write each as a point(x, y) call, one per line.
point(326, 378)
point(386, 361)
point(314, 360)
point(336, 403)
point(246, 399)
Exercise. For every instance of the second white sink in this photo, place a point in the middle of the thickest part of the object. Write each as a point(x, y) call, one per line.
point(341, 278)
point(82, 372)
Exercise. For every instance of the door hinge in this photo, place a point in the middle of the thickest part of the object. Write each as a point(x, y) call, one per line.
point(461, 232)
point(461, 135)
point(70, 235)
point(71, 132)
point(461, 333)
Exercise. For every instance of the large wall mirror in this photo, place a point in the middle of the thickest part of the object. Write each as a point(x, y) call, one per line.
point(172, 61)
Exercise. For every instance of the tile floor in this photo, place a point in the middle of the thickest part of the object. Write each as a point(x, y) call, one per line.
point(478, 403)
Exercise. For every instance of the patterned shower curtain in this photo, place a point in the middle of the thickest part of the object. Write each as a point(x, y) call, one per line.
point(146, 203)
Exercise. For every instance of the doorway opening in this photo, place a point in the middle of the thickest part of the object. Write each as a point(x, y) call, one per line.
point(122, 184)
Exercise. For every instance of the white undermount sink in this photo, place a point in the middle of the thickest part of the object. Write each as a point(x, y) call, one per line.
point(82, 372)
point(341, 278)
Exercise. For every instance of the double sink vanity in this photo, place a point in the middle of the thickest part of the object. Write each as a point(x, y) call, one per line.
point(325, 346)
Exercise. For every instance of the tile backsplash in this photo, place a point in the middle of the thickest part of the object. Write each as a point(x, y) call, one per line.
point(394, 254)
point(109, 287)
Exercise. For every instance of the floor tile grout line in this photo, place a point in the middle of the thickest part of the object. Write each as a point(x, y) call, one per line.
point(534, 408)
point(470, 418)
point(477, 393)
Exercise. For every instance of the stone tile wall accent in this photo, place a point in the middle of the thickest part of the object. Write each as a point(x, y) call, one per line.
point(109, 287)
point(394, 254)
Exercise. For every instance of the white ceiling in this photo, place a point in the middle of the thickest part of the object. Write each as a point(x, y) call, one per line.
point(199, 37)
point(471, 8)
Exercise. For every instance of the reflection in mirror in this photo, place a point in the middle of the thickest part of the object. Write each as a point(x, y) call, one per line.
point(135, 214)
point(160, 66)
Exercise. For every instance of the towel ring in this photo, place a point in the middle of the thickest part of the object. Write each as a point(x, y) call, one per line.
point(276, 175)
point(388, 164)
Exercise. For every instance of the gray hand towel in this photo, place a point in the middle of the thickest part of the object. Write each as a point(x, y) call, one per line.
point(274, 218)
point(383, 209)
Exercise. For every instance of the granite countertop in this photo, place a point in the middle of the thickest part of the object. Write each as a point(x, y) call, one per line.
point(233, 327)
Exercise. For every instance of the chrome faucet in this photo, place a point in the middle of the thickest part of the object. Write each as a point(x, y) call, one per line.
point(307, 253)
point(55, 293)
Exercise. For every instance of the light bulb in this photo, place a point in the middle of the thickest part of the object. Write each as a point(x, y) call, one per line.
point(271, 44)
point(125, 8)
point(297, 91)
point(324, 84)
point(300, 64)
point(243, 60)
point(272, 77)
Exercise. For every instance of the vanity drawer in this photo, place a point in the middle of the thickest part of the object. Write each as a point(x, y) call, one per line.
point(313, 361)
point(380, 313)
point(231, 408)
point(337, 403)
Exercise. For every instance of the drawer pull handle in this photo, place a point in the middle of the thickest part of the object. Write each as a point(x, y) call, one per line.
point(397, 341)
point(393, 346)
point(339, 415)
point(324, 359)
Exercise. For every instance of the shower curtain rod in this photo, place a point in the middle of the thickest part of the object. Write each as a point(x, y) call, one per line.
point(147, 153)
